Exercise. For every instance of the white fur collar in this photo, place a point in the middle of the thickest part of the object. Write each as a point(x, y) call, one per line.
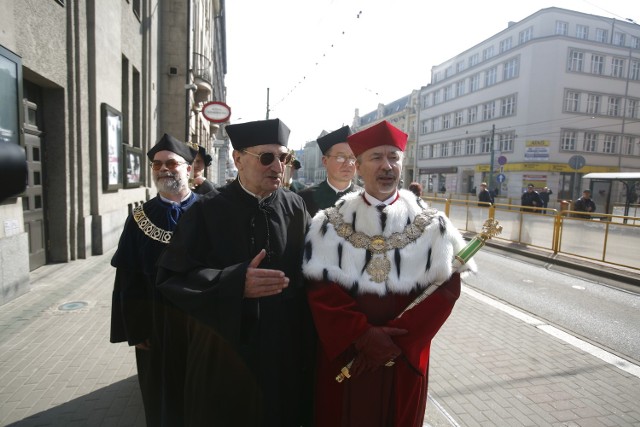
point(425, 261)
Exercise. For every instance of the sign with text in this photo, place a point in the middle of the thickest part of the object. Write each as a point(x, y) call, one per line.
point(537, 150)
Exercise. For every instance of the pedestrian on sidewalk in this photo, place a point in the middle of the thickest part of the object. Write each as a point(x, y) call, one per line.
point(368, 258)
point(137, 313)
point(585, 204)
point(234, 265)
point(485, 198)
point(530, 198)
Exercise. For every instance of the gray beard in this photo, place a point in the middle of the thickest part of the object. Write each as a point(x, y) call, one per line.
point(170, 186)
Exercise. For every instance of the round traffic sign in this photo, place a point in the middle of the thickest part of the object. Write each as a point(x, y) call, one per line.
point(502, 160)
point(216, 111)
point(500, 178)
point(577, 162)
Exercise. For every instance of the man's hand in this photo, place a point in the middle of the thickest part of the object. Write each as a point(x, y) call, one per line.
point(375, 348)
point(144, 345)
point(261, 282)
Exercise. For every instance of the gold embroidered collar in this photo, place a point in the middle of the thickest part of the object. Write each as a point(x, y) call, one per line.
point(150, 229)
point(379, 266)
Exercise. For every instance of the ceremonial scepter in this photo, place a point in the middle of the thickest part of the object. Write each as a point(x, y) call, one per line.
point(490, 229)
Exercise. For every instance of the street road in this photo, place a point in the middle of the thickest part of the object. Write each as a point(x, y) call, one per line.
point(590, 308)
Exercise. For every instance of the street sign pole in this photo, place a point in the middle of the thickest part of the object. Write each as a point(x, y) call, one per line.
point(493, 133)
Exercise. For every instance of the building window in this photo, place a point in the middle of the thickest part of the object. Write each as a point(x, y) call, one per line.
point(613, 107)
point(457, 148)
point(474, 59)
point(448, 72)
point(610, 144)
point(459, 66)
point(425, 100)
point(448, 93)
point(472, 114)
point(490, 76)
point(460, 86)
point(435, 124)
point(487, 53)
point(618, 38)
point(628, 146)
point(617, 67)
point(475, 83)
point(582, 32)
point(505, 45)
point(508, 106)
point(602, 35)
point(572, 102)
point(424, 127)
point(525, 35)
point(593, 104)
point(597, 64)
point(562, 28)
point(510, 69)
point(635, 70)
point(437, 97)
point(632, 108)
point(576, 58)
point(446, 121)
point(590, 142)
point(445, 149)
point(635, 42)
point(489, 110)
point(506, 142)
point(485, 144)
point(458, 118)
point(470, 146)
point(568, 141)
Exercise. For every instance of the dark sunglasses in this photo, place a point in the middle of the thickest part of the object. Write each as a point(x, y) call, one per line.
point(156, 165)
point(267, 158)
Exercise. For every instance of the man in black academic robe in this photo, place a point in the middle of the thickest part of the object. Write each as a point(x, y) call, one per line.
point(340, 164)
point(137, 315)
point(234, 265)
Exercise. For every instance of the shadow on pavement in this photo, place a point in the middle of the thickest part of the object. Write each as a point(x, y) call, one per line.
point(117, 405)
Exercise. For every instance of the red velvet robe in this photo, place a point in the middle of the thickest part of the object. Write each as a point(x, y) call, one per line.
point(388, 396)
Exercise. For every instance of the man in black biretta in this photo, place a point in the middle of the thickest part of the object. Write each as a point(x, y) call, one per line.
point(234, 265)
point(340, 163)
point(169, 143)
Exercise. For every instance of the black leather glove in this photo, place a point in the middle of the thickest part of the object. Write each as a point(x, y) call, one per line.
point(375, 348)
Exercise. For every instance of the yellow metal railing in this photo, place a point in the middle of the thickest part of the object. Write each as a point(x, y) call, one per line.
point(612, 239)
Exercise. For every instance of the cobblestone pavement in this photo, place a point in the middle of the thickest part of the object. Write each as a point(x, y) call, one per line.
point(488, 368)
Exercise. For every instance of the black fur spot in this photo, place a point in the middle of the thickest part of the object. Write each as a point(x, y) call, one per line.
point(366, 261)
point(325, 275)
point(353, 221)
point(397, 259)
point(443, 226)
point(325, 224)
point(308, 250)
point(428, 260)
point(340, 255)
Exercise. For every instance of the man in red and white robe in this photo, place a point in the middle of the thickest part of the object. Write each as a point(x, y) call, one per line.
point(366, 260)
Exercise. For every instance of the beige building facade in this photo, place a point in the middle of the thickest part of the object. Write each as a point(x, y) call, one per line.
point(93, 90)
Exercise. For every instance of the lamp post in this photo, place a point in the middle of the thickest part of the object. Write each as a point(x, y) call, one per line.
point(493, 134)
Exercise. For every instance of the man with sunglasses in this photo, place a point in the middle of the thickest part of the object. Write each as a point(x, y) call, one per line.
point(340, 163)
point(234, 265)
point(137, 315)
point(367, 259)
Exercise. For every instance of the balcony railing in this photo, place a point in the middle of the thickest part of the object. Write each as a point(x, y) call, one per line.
point(202, 67)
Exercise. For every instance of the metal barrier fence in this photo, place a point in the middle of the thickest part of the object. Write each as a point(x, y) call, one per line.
point(613, 239)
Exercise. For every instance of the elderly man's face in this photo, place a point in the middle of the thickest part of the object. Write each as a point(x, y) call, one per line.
point(174, 180)
point(339, 173)
point(260, 179)
point(380, 169)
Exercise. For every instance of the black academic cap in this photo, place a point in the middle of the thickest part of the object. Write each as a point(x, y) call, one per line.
point(169, 143)
point(337, 136)
point(206, 158)
point(261, 132)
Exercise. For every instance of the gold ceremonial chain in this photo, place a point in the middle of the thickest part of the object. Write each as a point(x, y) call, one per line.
point(379, 266)
point(149, 228)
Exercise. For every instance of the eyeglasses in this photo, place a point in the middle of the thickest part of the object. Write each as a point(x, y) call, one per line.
point(267, 158)
point(342, 158)
point(156, 165)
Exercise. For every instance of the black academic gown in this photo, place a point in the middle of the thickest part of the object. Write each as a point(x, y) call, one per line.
point(249, 361)
point(137, 311)
point(204, 188)
point(322, 196)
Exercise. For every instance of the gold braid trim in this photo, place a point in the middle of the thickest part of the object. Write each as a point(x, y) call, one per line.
point(379, 267)
point(150, 229)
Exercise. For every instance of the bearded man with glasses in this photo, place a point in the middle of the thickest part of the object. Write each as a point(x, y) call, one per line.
point(137, 313)
point(234, 265)
point(340, 163)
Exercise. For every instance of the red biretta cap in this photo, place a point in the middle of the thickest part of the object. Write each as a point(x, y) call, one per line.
point(383, 133)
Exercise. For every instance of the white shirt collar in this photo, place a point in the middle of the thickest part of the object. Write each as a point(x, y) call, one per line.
point(253, 194)
point(337, 190)
point(375, 202)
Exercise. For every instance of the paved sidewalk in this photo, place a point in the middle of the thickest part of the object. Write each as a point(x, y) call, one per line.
point(488, 368)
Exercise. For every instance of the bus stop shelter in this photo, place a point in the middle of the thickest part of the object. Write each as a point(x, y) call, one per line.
point(629, 179)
